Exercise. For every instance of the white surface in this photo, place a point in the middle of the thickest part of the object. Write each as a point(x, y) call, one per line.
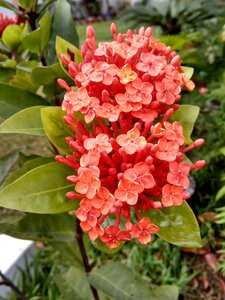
point(11, 250)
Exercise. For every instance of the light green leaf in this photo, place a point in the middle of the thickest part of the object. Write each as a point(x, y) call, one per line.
point(121, 283)
point(66, 48)
point(6, 163)
point(13, 99)
point(37, 40)
point(12, 36)
point(188, 71)
point(41, 190)
point(27, 4)
point(31, 164)
point(55, 128)
point(65, 29)
point(74, 285)
point(186, 115)
point(26, 121)
point(178, 225)
point(44, 228)
point(221, 193)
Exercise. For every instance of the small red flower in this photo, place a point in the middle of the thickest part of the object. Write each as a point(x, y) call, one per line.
point(88, 184)
point(172, 195)
point(143, 230)
point(113, 235)
point(128, 191)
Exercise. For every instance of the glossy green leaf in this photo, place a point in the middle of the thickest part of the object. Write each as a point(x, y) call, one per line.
point(178, 225)
point(40, 190)
point(31, 164)
point(44, 6)
point(186, 115)
point(6, 163)
point(65, 29)
point(44, 228)
point(13, 99)
point(188, 72)
point(74, 285)
point(37, 40)
point(26, 121)
point(64, 47)
point(10, 6)
point(12, 36)
point(55, 128)
point(121, 283)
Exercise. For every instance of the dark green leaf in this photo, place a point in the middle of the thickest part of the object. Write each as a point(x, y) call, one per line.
point(178, 225)
point(55, 128)
point(121, 283)
point(65, 29)
point(6, 74)
point(26, 121)
point(41, 190)
point(186, 115)
point(13, 99)
point(6, 163)
point(44, 228)
point(38, 39)
point(69, 251)
point(74, 285)
point(31, 164)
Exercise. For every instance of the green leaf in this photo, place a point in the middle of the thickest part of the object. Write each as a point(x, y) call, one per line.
point(220, 193)
point(13, 99)
point(69, 252)
point(10, 6)
point(178, 225)
point(23, 76)
point(6, 163)
point(188, 71)
point(186, 115)
point(65, 29)
point(27, 4)
point(38, 39)
point(31, 164)
point(12, 36)
point(74, 285)
point(44, 6)
point(66, 48)
point(44, 228)
point(41, 190)
point(47, 75)
point(55, 128)
point(6, 74)
point(121, 283)
point(26, 121)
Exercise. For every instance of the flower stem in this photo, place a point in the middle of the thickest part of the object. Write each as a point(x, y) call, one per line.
point(79, 238)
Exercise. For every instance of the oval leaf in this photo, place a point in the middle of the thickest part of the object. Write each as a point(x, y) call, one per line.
point(55, 128)
point(188, 72)
point(13, 99)
point(119, 282)
point(178, 225)
point(41, 190)
point(27, 121)
point(186, 115)
point(37, 227)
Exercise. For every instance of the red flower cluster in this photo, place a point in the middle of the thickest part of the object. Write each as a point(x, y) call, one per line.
point(6, 21)
point(132, 159)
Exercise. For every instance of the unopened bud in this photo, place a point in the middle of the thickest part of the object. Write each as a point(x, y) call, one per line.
point(113, 28)
point(199, 142)
point(64, 59)
point(189, 85)
point(148, 32)
point(63, 84)
point(90, 32)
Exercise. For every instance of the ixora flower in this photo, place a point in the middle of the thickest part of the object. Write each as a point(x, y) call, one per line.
point(132, 159)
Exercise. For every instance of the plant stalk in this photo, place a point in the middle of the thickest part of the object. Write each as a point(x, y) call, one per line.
point(79, 238)
point(6, 281)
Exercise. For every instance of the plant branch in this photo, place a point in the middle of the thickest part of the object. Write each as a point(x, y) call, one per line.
point(79, 238)
point(6, 281)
